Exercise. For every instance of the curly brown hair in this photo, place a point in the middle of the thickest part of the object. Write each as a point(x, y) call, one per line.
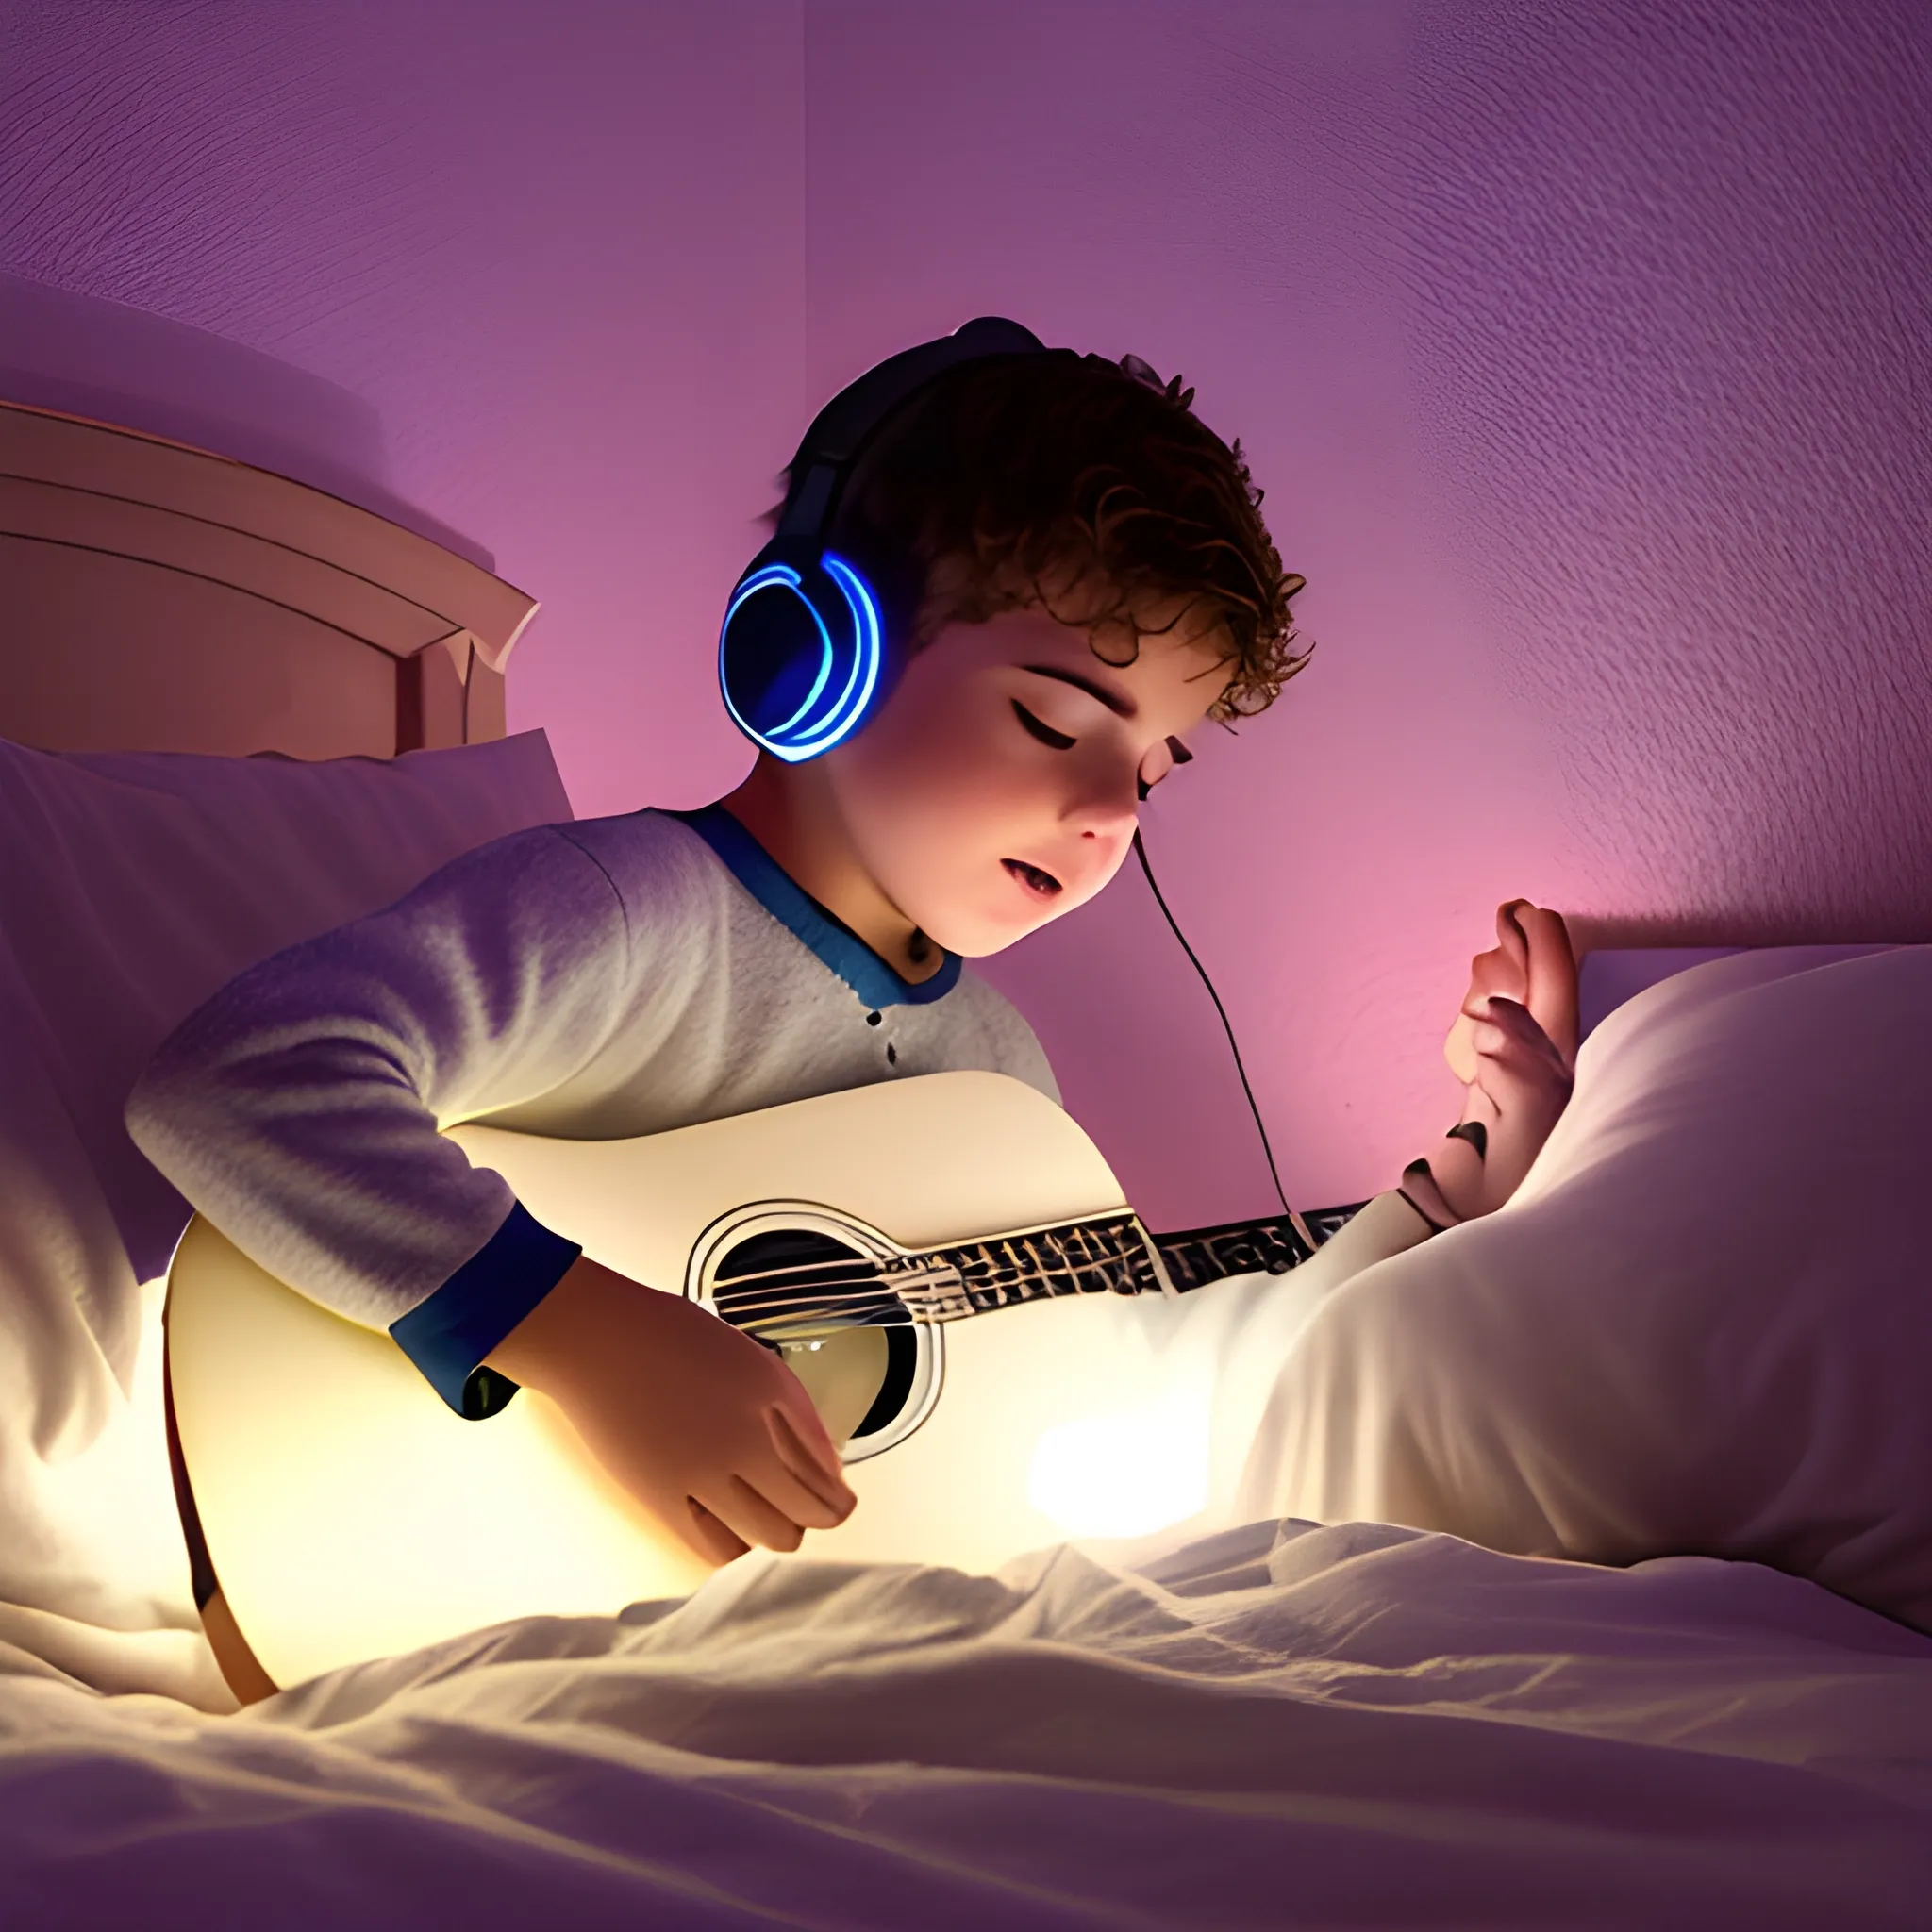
point(1011, 469)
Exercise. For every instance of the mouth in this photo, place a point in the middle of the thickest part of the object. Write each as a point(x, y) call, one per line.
point(1033, 878)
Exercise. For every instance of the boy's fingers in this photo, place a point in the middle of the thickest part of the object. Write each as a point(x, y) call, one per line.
point(801, 1498)
point(1512, 1044)
point(1504, 969)
point(806, 1429)
point(1511, 1027)
point(712, 1539)
point(828, 1487)
point(1493, 973)
point(1485, 979)
point(1499, 969)
point(1552, 983)
point(1514, 942)
point(750, 1515)
point(1513, 1081)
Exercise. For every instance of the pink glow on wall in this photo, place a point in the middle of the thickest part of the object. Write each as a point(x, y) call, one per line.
point(1582, 352)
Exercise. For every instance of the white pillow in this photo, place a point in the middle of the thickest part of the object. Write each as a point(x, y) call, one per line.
point(1703, 1325)
point(132, 885)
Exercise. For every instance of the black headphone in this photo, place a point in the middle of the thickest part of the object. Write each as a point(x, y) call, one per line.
point(804, 658)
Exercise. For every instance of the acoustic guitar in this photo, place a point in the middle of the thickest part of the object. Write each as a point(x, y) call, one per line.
point(348, 1513)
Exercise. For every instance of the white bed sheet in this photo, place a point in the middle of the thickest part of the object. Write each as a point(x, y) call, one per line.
point(1280, 1726)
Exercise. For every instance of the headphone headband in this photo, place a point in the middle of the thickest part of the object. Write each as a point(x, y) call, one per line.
point(842, 429)
point(803, 658)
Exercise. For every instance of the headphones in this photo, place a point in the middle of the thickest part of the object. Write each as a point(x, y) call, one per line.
point(804, 658)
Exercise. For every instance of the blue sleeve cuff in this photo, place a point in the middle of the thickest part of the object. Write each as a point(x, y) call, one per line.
point(448, 1335)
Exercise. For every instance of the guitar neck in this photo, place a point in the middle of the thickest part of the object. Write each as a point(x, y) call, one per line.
point(1197, 1256)
point(1112, 1255)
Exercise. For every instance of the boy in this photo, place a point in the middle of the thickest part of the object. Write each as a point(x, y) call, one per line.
point(1075, 578)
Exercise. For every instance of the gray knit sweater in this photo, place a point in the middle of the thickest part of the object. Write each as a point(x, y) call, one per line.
point(595, 980)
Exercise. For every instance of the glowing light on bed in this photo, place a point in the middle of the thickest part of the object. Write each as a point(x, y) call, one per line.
point(1121, 1474)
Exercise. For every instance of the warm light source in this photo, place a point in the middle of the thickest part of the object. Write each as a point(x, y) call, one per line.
point(1122, 1474)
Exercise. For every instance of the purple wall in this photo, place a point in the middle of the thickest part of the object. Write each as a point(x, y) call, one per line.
point(538, 269)
point(1582, 352)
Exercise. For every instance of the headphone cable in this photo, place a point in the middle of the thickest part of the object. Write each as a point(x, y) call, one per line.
point(1227, 1027)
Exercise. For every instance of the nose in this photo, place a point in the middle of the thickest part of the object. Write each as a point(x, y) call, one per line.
point(1103, 807)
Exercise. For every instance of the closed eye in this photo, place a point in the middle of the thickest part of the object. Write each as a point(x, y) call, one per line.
point(1044, 732)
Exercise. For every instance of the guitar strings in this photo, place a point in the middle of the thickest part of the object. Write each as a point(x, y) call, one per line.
point(1114, 1250)
point(886, 1287)
point(915, 1272)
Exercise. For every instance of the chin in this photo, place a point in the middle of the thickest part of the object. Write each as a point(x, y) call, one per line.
point(980, 942)
point(976, 937)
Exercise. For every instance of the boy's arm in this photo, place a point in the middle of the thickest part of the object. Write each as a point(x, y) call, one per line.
point(298, 1109)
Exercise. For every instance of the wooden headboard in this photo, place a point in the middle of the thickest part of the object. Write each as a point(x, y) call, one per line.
point(156, 597)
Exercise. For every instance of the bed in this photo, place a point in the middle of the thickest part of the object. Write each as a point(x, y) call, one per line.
point(1570, 1570)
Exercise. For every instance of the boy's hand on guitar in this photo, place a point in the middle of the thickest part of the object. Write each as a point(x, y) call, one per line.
point(1514, 1044)
point(708, 1430)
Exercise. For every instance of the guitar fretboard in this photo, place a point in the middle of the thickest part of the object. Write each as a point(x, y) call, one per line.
point(1109, 1255)
point(1202, 1254)
point(1104, 1256)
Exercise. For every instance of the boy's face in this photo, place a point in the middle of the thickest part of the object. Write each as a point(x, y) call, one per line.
point(997, 786)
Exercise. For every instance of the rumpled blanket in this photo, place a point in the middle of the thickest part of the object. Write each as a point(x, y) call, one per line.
point(1279, 1727)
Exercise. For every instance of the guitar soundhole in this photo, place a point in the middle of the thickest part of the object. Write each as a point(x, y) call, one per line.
point(804, 1275)
point(825, 1267)
point(902, 1365)
point(787, 1248)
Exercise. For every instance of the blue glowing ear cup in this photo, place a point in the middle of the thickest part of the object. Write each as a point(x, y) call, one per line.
point(802, 652)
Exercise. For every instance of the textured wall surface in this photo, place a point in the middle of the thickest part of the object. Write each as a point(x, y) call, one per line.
point(1582, 351)
point(1671, 283)
point(537, 272)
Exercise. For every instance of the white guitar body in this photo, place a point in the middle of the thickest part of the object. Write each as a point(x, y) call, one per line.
point(350, 1514)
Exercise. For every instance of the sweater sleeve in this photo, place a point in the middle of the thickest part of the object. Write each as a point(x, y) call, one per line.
point(299, 1108)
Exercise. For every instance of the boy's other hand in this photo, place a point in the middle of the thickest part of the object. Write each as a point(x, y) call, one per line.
point(1514, 1046)
point(1533, 965)
point(709, 1431)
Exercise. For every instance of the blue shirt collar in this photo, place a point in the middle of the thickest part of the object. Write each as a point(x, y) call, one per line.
point(829, 936)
